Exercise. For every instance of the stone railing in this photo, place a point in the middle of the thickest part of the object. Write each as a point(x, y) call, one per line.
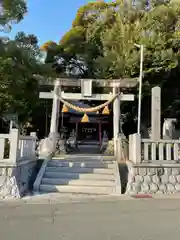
point(27, 146)
point(147, 150)
point(4, 146)
point(14, 147)
point(162, 150)
point(17, 163)
point(153, 166)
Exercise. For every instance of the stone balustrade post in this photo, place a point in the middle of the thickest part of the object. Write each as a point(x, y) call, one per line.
point(14, 145)
point(130, 147)
point(33, 134)
point(135, 148)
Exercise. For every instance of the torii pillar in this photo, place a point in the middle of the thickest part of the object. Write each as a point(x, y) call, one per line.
point(116, 117)
point(55, 112)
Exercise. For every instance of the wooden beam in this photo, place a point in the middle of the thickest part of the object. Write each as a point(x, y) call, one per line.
point(79, 96)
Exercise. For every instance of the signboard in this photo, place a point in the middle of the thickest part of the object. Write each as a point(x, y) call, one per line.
point(86, 87)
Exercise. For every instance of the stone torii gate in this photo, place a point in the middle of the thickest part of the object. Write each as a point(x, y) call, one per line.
point(86, 94)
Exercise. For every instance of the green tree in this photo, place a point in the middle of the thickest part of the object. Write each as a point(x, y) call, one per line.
point(21, 64)
point(100, 44)
point(74, 55)
point(19, 86)
point(158, 30)
point(11, 11)
point(28, 42)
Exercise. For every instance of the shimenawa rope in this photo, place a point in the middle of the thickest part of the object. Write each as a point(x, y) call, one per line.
point(86, 110)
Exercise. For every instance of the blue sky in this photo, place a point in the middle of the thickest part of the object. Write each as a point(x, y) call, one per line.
point(48, 20)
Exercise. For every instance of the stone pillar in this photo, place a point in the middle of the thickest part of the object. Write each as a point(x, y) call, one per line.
point(55, 111)
point(116, 117)
point(131, 147)
point(156, 113)
point(33, 134)
point(14, 152)
point(136, 148)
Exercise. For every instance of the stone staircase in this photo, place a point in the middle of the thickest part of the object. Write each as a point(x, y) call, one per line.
point(95, 175)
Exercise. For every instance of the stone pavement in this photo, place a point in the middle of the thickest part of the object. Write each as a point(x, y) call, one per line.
point(90, 218)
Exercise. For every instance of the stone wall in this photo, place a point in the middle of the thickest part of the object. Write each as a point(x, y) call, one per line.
point(153, 178)
point(15, 179)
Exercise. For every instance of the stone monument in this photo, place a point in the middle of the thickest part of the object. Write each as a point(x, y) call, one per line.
point(156, 113)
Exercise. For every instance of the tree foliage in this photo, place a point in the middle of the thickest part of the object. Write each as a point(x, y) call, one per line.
point(100, 44)
point(19, 64)
point(11, 11)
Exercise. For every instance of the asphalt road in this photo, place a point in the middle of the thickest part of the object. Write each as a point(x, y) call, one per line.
point(91, 220)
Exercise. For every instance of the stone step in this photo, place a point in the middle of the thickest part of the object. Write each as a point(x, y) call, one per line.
point(82, 158)
point(80, 170)
point(70, 175)
point(89, 142)
point(79, 159)
point(77, 189)
point(78, 182)
point(88, 164)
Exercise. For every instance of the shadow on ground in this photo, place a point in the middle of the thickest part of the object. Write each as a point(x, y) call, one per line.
point(35, 173)
point(123, 172)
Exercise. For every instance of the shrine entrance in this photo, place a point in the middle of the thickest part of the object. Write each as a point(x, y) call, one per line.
point(87, 130)
point(88, 133)
point(89, 137)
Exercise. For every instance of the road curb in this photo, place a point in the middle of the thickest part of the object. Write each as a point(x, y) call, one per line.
point(38, 199)
point(154, 196)
point(166, 196)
